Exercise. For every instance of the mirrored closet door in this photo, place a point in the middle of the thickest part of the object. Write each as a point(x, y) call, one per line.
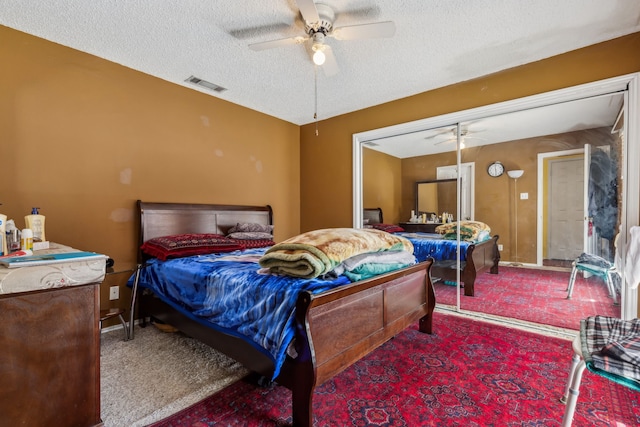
point(547, 182)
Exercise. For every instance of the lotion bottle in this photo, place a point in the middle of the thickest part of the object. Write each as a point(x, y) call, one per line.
point(35, 222)
point(3, 236)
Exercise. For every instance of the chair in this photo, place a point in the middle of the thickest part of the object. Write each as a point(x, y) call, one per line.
point(598, 267)
point(594, 331)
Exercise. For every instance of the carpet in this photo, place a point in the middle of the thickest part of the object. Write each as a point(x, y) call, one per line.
point(468, 373)
point(534, 295)
point(157, 374)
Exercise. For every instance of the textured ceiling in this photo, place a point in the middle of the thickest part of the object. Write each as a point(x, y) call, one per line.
point(436, 43)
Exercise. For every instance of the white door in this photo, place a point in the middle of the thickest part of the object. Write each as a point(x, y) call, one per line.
point(566, 208)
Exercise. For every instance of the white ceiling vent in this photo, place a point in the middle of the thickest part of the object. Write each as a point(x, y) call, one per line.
point(199, 82)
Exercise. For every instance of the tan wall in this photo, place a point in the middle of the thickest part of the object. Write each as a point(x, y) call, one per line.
point(382, 184)
point(83, 138)
point(326, 159)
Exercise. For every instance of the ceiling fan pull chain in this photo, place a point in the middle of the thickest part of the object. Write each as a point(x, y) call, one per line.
point(315, 92)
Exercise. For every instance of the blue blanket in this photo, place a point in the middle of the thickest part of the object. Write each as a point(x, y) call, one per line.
point(427, 245)
point(229, 292)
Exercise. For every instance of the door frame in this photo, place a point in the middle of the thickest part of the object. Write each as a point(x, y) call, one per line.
point(542, 193)
point(467, 186)
point(630, 83)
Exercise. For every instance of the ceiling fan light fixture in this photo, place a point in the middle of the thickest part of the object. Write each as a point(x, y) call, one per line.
point(318, 56)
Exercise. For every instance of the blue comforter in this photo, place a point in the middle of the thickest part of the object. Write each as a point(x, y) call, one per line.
point(427, 245)
point(229, 292)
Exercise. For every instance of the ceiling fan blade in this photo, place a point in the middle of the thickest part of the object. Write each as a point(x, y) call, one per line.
point(277, 43)
point(440, 133)
point(368, 12)
point(365, 31)
point(442, 142)
point(330, 66)
point(247, 33)
point(308, 10)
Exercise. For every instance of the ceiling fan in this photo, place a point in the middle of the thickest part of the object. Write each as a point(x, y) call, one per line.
point(318, 26)
point(465, 134)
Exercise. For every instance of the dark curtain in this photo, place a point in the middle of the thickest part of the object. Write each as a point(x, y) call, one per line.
point(603, 194)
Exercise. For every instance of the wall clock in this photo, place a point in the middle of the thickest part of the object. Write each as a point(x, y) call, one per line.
point(495, 169)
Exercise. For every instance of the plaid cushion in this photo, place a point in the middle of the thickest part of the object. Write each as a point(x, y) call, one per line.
point(612, 345)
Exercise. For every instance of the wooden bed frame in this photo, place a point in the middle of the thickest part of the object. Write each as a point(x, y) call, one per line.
point(334, 329)
point(480, 257)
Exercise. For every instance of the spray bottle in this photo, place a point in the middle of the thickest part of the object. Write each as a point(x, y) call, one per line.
point(35, 222)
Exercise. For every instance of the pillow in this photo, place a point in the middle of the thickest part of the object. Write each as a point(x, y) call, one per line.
point(255, 243)
point(182, 245)
point(250, 235)
point(389, 228)
point(243, 227)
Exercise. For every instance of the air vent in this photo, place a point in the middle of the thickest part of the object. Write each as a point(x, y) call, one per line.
point(199, 82)
point(370, 144)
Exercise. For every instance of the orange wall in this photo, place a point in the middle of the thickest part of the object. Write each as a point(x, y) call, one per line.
point(326, 159)
point(83, 138)
point(382, 184)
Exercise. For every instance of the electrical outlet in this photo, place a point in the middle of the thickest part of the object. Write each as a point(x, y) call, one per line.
point(114, 293)
point(524, 196)
point(499, 247)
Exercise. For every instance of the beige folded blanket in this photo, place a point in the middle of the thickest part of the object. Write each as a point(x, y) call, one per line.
point(317, 252)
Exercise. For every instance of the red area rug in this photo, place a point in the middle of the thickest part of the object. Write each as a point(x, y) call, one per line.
point(468, 373)
point(538, 296)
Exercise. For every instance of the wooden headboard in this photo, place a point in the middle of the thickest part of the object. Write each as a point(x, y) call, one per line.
point(165, 219)
point(374, 215)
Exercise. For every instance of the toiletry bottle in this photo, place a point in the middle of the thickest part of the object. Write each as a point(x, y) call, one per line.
point(13, 237)
point(26, 240)
point(3, 236)
point(35, 222)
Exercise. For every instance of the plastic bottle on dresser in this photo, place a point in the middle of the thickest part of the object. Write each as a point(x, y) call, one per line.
point(35, 222)
point(12, 235)
point(26, 240)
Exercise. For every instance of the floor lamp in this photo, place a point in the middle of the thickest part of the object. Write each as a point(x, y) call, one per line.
point(515, 174)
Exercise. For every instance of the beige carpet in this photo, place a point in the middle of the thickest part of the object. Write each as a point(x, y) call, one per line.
point(157, 374)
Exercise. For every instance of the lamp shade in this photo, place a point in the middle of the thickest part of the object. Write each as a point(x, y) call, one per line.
point(515, 174)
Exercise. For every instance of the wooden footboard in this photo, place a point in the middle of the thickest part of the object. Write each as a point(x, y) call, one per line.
point(338, 327)
point(480, 257)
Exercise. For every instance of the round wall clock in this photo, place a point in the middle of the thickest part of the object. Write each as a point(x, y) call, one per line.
point(495, 169)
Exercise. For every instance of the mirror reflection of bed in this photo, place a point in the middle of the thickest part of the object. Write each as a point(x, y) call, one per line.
point(477, 248)
point(546, 235)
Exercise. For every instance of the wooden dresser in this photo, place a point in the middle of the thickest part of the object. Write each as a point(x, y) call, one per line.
point(50, 357)
point(419, 227)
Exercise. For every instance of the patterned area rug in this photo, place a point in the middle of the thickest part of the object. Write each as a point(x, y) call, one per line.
point(534, 295)
point(468, 373)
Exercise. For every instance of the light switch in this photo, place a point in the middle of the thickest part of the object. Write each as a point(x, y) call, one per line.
point(524, 196)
